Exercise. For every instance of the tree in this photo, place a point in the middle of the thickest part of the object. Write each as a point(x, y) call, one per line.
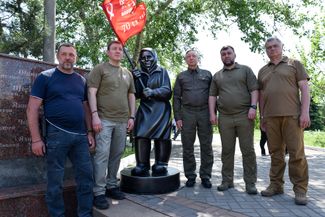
point(172, 25)
point(21, 27)
point(314, 62)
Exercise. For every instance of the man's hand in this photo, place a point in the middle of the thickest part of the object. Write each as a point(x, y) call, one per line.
point(130, 124)
point(213, 119)
point(96, 124)
point(38, 148)
point(91, 140)
point(304, 120)
point(136, 73)
point(179, 124)
point(147, 92)
point(251, 114)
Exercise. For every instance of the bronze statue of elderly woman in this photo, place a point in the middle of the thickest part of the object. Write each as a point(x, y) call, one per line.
point(152, 121)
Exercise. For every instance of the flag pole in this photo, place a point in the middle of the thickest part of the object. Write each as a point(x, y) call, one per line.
point(132, 64)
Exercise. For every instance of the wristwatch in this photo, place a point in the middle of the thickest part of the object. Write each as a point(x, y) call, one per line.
point(253, 107)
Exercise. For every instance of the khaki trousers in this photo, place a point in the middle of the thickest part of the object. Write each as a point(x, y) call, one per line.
point(285, 132)
point(230, 127)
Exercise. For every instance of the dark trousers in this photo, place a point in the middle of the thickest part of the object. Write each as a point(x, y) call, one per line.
point(263, 140)
point(197, 120)
point(61, 145)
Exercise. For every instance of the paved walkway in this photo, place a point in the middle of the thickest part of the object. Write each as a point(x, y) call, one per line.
point(201, 202)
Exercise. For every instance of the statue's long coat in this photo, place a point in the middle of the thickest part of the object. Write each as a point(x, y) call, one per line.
point(153, 115)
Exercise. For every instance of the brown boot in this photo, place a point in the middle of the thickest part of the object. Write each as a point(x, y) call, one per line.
point(272, 190)
point(300, 198)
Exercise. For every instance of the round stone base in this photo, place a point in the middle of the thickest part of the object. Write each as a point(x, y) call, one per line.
point(149, 184)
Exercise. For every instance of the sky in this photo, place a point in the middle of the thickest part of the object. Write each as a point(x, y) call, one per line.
point(210, 48)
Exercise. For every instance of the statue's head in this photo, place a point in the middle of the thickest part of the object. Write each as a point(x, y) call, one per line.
point(148, 59)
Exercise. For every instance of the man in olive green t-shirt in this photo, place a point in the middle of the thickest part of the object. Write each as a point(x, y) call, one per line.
point(112, 103)
point(234, 91)
point(284, 115)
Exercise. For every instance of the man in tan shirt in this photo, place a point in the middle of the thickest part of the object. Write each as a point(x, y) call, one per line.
point(284, 115)
point(112, 103)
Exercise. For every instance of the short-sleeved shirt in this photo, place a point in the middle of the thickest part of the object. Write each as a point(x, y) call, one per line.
point(63, 96)
point(233, 88)
point(191, 90)
point(279, 84)
point(113, 83)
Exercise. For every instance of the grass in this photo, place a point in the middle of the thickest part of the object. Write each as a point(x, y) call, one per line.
point(128, 151)
point(311, 138)
point(315, 138)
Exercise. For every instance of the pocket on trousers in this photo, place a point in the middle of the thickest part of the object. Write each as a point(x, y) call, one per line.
point(52, 139)
point(52, 144)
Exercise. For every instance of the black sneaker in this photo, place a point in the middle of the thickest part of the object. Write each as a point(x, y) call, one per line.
point(190, 183)
point(115, 193)
point(206, 183)
point(100, 202)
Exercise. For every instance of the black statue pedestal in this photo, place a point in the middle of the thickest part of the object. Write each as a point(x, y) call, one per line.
point(149, 184)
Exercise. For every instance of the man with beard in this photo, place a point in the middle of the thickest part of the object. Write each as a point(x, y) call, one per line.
point(191, 111)
point(63, 94)
point(234, 92)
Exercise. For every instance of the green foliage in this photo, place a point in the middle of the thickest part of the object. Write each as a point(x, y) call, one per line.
point(21, 27)
point(311, 138)
point(315, 138)
point(128, 151)
point(171, 26)
point(317, 116)
point(257, 19)
point(314, 62)
point(84, 23)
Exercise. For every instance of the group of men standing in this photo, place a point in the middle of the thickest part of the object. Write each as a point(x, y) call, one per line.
point(96, 114)
point(233, 93)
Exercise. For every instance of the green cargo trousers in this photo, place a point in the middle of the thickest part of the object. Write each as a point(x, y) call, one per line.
point(230, 127)
point(197, 120)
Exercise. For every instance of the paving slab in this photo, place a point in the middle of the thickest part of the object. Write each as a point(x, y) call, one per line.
point(201, 202)
point(126, 208)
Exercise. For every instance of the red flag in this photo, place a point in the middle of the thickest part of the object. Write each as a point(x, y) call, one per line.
point(125, 17)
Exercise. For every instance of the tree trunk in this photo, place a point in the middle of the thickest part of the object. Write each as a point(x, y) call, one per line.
point(49, 31)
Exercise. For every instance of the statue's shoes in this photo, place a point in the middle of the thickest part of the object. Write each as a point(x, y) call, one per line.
point(140, 171)
point(159, 170)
